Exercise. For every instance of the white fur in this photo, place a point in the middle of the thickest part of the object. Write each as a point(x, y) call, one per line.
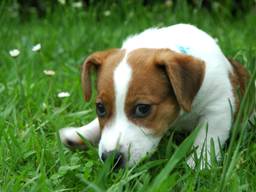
point(211, 105)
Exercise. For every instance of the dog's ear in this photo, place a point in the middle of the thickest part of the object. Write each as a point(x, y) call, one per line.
point(185, 73)
point(94, 60)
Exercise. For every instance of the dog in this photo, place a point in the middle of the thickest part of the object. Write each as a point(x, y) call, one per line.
point(161, 79)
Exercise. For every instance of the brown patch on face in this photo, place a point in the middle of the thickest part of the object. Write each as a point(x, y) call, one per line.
point(239, 79)
point(150, 85)
point(105, 62)
point(164, 79)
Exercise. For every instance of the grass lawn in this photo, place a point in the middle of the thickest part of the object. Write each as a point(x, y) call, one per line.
point(31, 155)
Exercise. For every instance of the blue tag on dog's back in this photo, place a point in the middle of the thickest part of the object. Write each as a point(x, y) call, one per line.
point(182, 49)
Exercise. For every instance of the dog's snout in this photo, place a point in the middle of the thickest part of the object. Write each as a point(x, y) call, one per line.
point(118, 158)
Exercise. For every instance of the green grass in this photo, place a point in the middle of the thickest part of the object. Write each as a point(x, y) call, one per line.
point(31, 155)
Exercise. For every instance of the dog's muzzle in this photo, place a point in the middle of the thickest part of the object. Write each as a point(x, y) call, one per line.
point(118, 158)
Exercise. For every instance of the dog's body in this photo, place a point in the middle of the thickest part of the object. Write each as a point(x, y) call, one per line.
point(161, 78)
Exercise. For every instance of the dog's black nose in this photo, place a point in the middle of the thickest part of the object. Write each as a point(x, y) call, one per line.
point(118, 158)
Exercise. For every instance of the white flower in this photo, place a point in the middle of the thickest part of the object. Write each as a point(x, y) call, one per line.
point(216, 40)
point(77, 4)
point(168, 3)
point(107, 13)
point(63, 94)
point(36, 47)
point(49, 72)
point(62, 2)
point(14, 52)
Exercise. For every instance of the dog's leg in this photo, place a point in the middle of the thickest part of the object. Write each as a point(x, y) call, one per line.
point(70, 136)
point(216, 127)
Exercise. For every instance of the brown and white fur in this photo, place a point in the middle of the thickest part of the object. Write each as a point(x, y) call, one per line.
point(179, 72)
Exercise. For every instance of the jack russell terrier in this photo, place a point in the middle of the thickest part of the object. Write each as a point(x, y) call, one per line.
point(162, 78)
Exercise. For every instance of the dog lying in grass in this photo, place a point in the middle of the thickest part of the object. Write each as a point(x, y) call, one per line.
point(159, 79)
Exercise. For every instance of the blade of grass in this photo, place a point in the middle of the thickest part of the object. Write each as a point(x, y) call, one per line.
point(179, 153)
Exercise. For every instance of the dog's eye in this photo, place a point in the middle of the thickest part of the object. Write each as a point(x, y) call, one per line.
point(100, 109)
point(142, 110)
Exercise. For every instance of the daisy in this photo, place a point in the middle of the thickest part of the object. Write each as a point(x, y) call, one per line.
point(63, 94)
point(49, 72)
point(14, 52)
point(36, 47)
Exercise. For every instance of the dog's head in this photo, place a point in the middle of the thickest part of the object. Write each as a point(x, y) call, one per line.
point(139, 95)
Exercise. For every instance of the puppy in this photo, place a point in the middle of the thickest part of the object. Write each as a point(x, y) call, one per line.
point(162, 78)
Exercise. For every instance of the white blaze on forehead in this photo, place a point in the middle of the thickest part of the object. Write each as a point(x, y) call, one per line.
point(122, 76)
point(113, 131)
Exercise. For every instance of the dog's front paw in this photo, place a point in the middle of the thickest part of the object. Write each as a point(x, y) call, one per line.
point(70, 138)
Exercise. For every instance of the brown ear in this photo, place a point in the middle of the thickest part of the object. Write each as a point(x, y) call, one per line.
point(185, 73)
point(94, 60)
